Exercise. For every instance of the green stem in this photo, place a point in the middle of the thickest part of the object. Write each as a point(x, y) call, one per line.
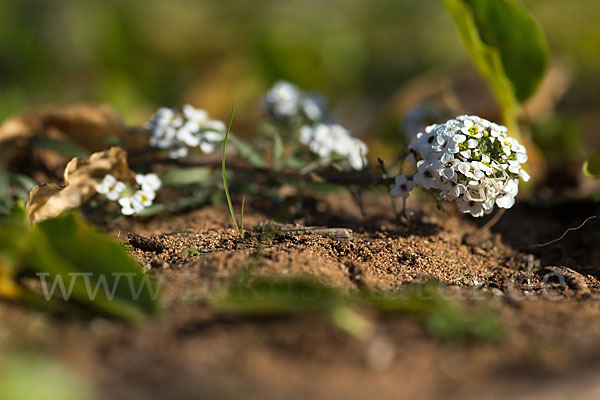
point(224, 175)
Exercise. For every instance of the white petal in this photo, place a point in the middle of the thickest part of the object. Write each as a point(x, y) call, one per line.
point(505, 201)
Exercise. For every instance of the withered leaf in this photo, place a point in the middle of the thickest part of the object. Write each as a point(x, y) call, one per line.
point(85, 125)
point(81, 179)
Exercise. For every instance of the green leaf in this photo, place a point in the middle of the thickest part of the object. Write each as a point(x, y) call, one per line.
point(247, 152)
point(5, 197)
point(18, 211)
point(445, 317)
point(591, 168)
point(505, 43)
point(277, 150)
point(69, 249)
point(53, 381)
point(63, 147)
point(293, 163)
point(26, 182)
point(270, 296)
point(187, 176)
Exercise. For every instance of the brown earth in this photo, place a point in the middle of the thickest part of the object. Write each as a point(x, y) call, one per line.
point(549, 348)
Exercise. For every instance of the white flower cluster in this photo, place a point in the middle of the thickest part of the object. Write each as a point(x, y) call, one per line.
point(329, 141)
point(131, 200)
point(332, 142)
point(285, 100)
point(468, 160)
point(175, 132)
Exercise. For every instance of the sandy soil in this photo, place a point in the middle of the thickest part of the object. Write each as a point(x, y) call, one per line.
point(549, 348)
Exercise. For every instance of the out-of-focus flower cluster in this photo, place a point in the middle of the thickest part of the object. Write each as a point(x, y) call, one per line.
point(286, 101)
point(329, 141)
point(178, 132)
point(131, 199)
point(333, 143)
point(468, 160)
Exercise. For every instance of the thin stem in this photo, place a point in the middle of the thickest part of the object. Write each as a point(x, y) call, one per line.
point(242, 217)
point(494, 220)
point(224, 175)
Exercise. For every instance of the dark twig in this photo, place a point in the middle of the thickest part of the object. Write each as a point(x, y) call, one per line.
point(145, 244)
point(564, 233)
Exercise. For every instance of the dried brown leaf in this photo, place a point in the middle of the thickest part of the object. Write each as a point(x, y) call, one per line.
point(87, 125)
point(81, 179)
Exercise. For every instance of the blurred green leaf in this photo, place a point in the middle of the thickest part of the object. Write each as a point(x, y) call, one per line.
point(62, 147)
point(591, 168)
point(293, 163)
point(247, 152)
point(103, 276)
point(558, 135)
point(19, 212)
point(5, 197)
point(270, 296)
point(277, 150)
point(187, 176)
point(505, 43)
point(444, 316)
point(26, 182)
point(78, 268)
point(28, 377)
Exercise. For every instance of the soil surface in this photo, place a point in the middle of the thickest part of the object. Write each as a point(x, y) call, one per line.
point(549, 347)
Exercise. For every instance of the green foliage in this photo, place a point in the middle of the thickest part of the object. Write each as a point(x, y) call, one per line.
point(13, 187)
point(247, 152)
point(444, 317)
point(5, 197)
point(63, 147)
point(28, 377)
point(591, 168)
point(282, 297)
point(239, 227)
point(190, 251)
point(264, 296)
point(506, 45)
point(77, 268)
point(277, 151)
point(558, 135)
point(187, 176)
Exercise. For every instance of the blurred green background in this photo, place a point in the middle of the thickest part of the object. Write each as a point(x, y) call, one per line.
point(138, 55)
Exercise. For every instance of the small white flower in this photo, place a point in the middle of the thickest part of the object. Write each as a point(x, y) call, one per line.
point(178, 151)
point(130, 205)
point(188, 135)
point(111, 187)
point(472, 143)
point(427, 175)
point(200, 117)
point(402, 187)
point(218, 127)
point(311, 109)
point(469, 206)
point(145, 197)
point(283, 98)
point(149, 182)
